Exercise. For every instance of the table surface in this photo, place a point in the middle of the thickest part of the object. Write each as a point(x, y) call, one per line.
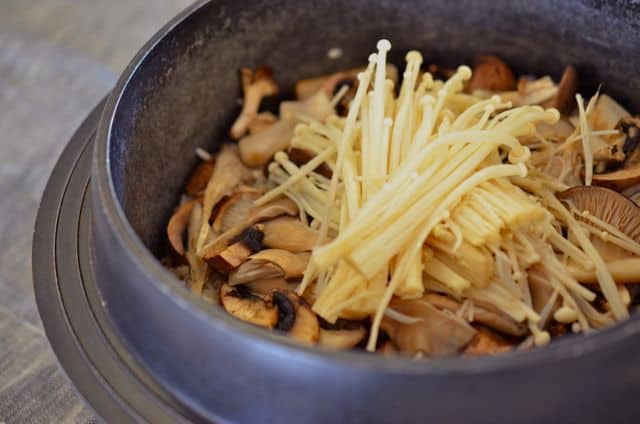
point(58, 58)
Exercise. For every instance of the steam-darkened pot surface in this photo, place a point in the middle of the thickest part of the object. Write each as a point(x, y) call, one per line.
point(179, 93)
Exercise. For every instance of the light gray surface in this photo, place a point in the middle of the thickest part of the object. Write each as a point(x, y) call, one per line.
point(58, 58)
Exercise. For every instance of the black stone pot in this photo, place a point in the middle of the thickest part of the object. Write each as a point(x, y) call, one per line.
point(139, 346)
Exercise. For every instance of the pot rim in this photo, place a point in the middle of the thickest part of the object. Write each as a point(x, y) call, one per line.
point(166, 282)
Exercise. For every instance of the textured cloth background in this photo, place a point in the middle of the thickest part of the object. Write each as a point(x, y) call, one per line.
point(58, 58)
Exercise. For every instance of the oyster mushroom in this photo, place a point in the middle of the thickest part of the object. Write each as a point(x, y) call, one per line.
point(308, 87)
point(257, 149)
point(607, 205)
point(177, 226)
point(295, 317)
point(234, 211)
point(486, 342)
point(288, 233)
point(270, 263)
point(261, 122)
point(341, 339)
point(199, 178)
point(629, 175)
point(481, 315)
point(491, 74)
point(228, 173)
point(437, 333)
point(255, 86)
point(276, 207)
point(248, 307)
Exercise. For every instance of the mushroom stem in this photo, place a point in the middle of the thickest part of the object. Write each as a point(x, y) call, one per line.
point(624, 271)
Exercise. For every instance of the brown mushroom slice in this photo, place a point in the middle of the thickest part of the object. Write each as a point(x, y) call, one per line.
point(565, 99)
point(199, 178)
point(607, 205)
point(250, 308)
point(491, 74)
point(177, 226)
point(234, 211)
point(270, 263)
point(487, 342)
point(296, 317)
point(308, 87)
point(620, 179)
point(266, 286)
point(341, 339)
point(230, 258)
point(288, 233)
point(438, 333)
point(255, 86)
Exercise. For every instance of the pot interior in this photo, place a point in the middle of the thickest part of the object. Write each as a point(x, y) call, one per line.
point(182, 94)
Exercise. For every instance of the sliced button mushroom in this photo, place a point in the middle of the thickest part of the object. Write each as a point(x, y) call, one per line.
point(199, 178)
point(296, 317)
point(231, 257)
point(342, 339)
point(491, 74)
point(243, 305)
point(607, 205)
point(241, 248)
point(288, 233)
point(255, 86)
point(177, 226)
point(264, 287)
point(437, 333)
point(270, 263)
point(487, 342)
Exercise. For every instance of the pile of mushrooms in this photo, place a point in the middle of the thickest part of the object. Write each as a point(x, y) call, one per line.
point(250, 258)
